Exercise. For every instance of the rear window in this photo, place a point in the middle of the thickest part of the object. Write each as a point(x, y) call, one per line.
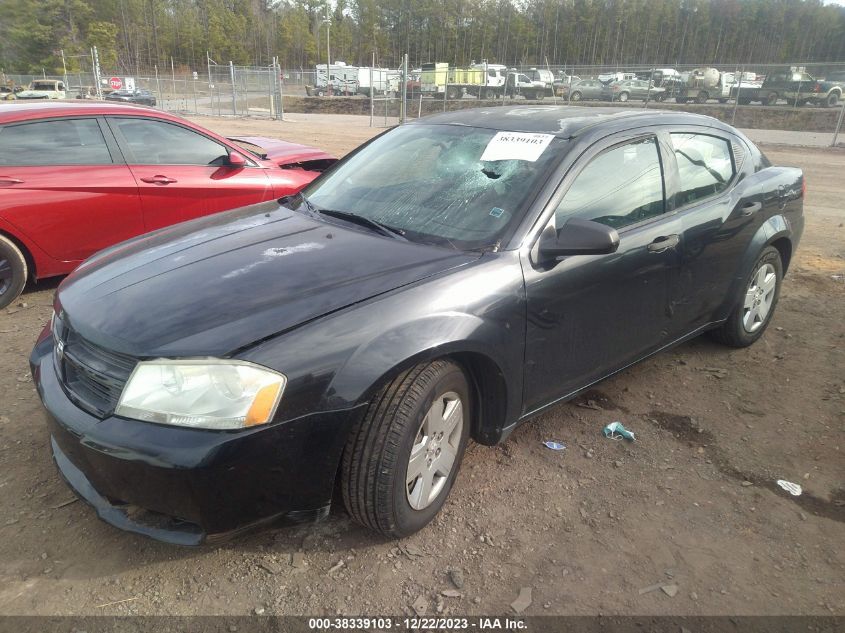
point(60, 142)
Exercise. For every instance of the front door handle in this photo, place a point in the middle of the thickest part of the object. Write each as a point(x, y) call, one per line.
point(159, 180)
point(664, 243)
point(6, 180)
point(750, 208)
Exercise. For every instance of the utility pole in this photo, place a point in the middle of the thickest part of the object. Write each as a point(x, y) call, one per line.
point(328, 22)
point(209, 62)
point(64, 69)
point(95, 58)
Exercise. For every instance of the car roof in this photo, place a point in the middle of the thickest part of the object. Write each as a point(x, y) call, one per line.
point(22, 111)
point(565, 121)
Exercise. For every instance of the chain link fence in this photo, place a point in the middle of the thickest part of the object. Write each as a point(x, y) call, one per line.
point(804, 97)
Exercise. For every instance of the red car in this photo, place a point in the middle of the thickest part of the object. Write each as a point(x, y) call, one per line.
point(78, 177)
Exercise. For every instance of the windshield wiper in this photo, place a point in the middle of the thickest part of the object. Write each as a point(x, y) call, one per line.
point(360, 220)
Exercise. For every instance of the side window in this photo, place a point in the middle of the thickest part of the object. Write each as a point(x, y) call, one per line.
point(704, 165)
point(59, 142)
point(621, 186)
point(160, 143)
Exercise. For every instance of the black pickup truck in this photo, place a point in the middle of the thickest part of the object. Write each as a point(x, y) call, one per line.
point(797, 88)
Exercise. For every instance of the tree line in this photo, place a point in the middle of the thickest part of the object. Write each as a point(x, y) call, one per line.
point(134, 36)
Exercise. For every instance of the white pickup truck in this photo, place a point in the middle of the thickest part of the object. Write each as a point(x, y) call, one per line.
point(44, 89)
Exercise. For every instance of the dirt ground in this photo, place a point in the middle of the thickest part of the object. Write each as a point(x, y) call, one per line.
point(692, 505)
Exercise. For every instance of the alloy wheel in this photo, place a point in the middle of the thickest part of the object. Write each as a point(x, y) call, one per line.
point(759, 298)
point(434, 451)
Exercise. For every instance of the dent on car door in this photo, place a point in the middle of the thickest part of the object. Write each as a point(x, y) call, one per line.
point(720, 204)
point(183, 174)
point(589, 315)
point(63, 184)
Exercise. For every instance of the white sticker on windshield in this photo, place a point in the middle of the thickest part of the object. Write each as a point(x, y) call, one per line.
point(516, 146)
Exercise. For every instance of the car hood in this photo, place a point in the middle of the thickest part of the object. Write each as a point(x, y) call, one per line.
point(221, 283)
point(284, 152)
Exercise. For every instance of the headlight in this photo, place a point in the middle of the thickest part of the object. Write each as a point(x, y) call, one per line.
point(206, 394)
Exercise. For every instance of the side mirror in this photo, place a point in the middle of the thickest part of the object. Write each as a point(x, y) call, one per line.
point(236, 160)
point(577, 237)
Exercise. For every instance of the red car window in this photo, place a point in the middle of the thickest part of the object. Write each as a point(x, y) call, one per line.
point(159, 143)
point(64, 142)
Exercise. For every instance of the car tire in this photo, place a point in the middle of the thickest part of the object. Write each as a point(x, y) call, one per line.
point(576, 96)
point(740, 330)
point(13, 271)
point(771, 99)
point(831, 100)
point(702, 98)
point(623, 97)
point(402, 420)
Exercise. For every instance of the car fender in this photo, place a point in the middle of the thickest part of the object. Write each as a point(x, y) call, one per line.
point(40, 263)
point(341, 360)
point(773, 229)
point(467, 339)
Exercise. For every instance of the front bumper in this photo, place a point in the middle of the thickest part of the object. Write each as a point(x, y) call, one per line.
point(189, 486)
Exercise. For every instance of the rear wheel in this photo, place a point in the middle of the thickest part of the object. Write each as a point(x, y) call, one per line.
point(402, 458)
point(702, 97)
point(453, 93)
point(623, 97)
point(576, 96)
point(756, 303)
point(13, 271)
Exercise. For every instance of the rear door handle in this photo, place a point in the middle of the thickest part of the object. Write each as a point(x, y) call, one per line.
point(159, 180)
point(6, 180)
point(750, 208)
point(664, 243)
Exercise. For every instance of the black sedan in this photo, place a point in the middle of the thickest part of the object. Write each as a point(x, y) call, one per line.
point(449, 280)
point(139, 96)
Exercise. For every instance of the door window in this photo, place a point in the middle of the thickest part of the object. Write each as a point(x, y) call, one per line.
point(160, 143)
point(59, 142)
point(620, 187)
point(704, 165)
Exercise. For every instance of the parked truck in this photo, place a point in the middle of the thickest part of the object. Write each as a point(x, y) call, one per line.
point(483, 80)
point(795, 86)
point(44, 89)
point(702, 84)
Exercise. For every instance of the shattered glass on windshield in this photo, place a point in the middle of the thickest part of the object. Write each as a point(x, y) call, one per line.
point(429, 182)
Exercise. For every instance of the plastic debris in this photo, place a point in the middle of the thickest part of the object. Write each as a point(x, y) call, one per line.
point(791, 488)
point(616, 431)
point(555, 446)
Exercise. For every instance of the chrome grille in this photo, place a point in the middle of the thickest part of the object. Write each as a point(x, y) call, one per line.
point(92, 377)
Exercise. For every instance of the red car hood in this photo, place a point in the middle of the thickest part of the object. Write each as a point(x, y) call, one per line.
point(284, 152)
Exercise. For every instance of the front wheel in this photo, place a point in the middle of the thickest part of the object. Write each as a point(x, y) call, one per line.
point(831, 101)
point(13, 272)
point(402, 458)
point(756, 303)
point(771, 99)
point(576, 96)
point(623, 97)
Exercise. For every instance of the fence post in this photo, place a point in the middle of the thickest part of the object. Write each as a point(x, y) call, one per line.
point(838, 124)
point(158, 84)
point(445, 86)
point(738, 88)
point(648, 87)
point(404, 91)
point(196, 109)
point(271, 86)
point(281, 79)
point(372, 103)
point(234, 97)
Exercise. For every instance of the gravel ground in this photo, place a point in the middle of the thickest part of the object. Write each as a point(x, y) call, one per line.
point(690, 507)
